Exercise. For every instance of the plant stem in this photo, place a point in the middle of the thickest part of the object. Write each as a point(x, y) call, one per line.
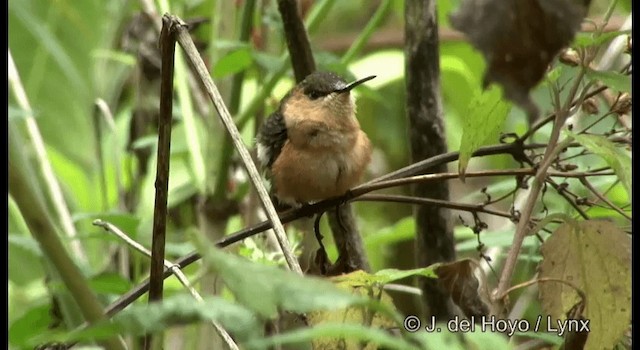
point(190, 50)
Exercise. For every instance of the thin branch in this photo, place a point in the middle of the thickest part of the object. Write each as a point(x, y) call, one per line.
point(179, 29)
point(156, 280)
point(402, 289)
point(474, 208)
point(551, 152)
point(319, 207)
point(368, 187)
point(44, 166)
point(171, 266)
point(543, 280)
point(552, 116)
point(593, 190)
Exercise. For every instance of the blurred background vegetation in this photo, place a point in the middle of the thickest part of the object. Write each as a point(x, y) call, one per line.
point(71, 53)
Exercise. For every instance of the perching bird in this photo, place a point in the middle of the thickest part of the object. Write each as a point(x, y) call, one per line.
point(312, 147)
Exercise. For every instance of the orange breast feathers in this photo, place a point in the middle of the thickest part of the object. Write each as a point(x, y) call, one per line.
point(307, 174)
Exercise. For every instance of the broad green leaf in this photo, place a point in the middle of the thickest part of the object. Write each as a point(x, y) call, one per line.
point(267, 289)
point(74, 181)
point(616, 158)
point(34, 321)
point(338, 331)
point(612, 79)
point(24, 259)
point(110, 283)
point(233, 62)
point(595, 257)
point(587, 39)
point(178, 310)
point(390, 275)
point(269, 62)
point(458, 82)
point(24, 252)
point(484, 120)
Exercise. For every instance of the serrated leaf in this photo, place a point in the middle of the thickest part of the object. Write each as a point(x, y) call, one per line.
point(615, 157)
point(594, 256)
point(587, 39)
point(482, 124)
point(267, 289)
point(148, 318)
point(233, 62)
point(614, 80)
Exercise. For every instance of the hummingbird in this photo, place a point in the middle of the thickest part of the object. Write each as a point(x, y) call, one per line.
point(312, 147)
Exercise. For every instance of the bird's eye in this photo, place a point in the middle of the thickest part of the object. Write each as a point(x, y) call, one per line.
point(313, 94)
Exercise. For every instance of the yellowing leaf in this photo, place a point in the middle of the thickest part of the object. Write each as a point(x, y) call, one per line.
point(594, 256)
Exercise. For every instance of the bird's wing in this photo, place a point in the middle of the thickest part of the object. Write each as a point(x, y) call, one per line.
point(271, 138)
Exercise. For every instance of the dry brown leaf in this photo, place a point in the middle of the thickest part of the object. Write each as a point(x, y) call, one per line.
point(459, 280)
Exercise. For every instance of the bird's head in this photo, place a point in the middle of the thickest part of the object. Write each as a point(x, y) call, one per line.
point(323, 92)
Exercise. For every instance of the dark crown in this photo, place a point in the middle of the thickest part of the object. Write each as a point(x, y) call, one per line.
point(321, 83)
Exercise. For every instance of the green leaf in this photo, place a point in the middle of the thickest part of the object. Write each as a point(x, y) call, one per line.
point(486, 114)
point(616, 158)
point(110, 283)
point(614, 80)
point(403, 230)
point(233, 62)
point(269, 62)
point(587, 39)
point(24, 259)
point(385, 276)
point(148, 318)
point(458, 82)
point(34, 321)
point(339, 331)
point(390, 275)
point(267, 289)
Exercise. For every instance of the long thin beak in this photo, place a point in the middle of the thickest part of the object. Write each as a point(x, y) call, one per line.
point(354, 84)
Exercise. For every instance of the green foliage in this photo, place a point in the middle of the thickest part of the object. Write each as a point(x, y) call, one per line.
point(615, 80)
point(617, 159)
point(148, 318)
point(267, 289)
point(482, 124)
